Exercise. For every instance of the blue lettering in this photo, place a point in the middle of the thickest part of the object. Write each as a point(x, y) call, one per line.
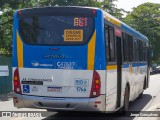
point(81, 89)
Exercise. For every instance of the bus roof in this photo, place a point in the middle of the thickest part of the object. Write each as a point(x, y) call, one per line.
point(108, 17)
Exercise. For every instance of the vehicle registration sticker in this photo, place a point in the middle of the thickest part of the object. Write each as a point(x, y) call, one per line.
point(54, 89)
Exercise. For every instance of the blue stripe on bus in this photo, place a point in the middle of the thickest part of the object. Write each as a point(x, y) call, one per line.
point(133, 32)
point(14, 51)
point(134, 65)
point(100, 59)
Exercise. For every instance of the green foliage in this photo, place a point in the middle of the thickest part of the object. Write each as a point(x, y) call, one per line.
point(92, 3)
point(146, 19)
point(6, 24)
point(6, 30)
point(110, 7)
point(106, 5)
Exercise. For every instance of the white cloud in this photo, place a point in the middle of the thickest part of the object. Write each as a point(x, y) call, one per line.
point(129, 4)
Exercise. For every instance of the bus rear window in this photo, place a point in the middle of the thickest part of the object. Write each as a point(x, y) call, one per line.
point(56, 30)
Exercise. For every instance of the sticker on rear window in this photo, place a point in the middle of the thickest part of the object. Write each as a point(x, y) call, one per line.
point(73, 35)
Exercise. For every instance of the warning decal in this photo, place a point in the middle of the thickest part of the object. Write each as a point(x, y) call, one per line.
point(73, 35)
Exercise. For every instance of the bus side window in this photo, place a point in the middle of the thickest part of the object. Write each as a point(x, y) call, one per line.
point(125, 47)
point(144, 52)
point(139, 51)
point(110, 43)
point(135, 50)
point(130, 47)
point(107, 42)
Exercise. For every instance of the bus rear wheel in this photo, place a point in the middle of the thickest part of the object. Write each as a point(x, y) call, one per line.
point(144, 87)
point(126, 100)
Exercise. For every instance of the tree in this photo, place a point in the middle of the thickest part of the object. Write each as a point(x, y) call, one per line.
point(92, 3)
point(6, 30)
point(107, 5)
point(6, 25)
point(111, 8)
point(146, 19)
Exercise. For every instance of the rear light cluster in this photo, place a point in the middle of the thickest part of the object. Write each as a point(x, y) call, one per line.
point(96, 85)
point(17, 86)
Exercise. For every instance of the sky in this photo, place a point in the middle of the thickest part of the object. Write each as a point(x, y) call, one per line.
point(0, 12)
point(129, 4)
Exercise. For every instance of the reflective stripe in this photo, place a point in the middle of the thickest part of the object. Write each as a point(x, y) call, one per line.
point(112, 20)
point(111, 67)
point(130, 69)
point(91, 52)
point(19, 51)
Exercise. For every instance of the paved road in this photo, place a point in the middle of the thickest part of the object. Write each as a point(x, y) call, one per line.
point(148, 100)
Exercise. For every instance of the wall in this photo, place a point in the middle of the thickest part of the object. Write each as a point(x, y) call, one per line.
point(6, 81)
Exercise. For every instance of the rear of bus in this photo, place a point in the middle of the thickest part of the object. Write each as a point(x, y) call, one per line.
point(54, 59)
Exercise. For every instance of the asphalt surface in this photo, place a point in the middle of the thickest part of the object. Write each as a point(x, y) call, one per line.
point(150, 101)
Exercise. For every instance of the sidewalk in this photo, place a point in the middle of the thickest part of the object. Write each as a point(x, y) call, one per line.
point(6, 104)
point(6, 97)
point(153, 106)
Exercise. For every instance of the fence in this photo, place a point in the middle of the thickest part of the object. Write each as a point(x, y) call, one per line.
point(6, 81)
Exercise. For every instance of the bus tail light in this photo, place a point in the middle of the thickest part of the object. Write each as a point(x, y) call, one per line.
point(17, 86)
point(96, 85)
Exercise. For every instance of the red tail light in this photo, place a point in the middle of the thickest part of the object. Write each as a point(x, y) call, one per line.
point(17, 86)
point(94, 12)
point(96, 85)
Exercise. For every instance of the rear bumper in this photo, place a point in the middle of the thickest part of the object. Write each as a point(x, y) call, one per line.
point(60, 104)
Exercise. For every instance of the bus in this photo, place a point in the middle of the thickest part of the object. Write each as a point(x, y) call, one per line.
point(77, 59)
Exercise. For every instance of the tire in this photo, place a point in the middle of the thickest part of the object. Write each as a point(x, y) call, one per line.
point(126, 100)
point(140, 95)
point(144, 87)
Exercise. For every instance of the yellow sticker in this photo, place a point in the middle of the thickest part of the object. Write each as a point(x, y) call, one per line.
point(73, 35)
